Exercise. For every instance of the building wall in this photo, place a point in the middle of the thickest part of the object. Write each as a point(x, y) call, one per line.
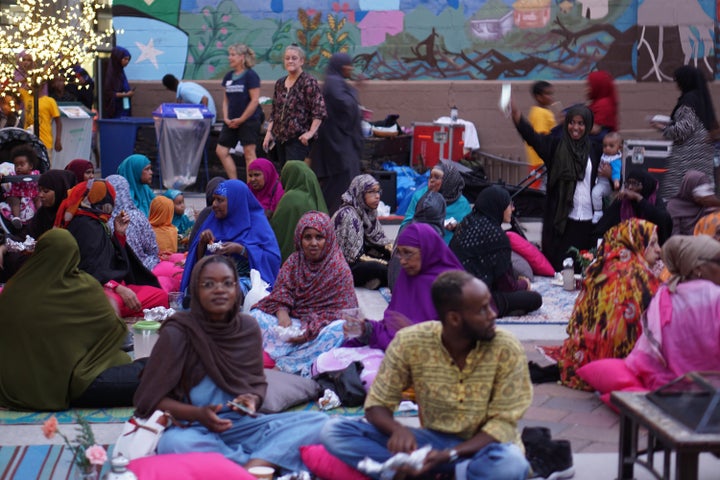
point(477, 101)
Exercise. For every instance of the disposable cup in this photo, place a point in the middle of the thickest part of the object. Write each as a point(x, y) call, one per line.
point(176, 300)
point(354, 322)
point(263, 473)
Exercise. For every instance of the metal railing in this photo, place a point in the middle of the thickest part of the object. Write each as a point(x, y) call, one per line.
point(500, 169)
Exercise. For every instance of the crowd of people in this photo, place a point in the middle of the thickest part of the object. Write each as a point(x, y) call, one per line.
point(109, 248)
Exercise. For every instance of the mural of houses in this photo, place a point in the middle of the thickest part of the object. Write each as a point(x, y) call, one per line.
point(531, 13)
point(492, 28)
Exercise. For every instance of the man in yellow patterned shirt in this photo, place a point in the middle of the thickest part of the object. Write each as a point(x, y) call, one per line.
point(471, 384)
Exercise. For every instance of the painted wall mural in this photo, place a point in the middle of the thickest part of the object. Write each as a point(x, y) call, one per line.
point(424, 39)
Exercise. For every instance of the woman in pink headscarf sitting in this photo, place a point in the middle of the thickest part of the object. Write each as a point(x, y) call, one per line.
point(264, 182)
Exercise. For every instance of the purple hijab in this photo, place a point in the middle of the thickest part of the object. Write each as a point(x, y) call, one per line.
point(411, 295)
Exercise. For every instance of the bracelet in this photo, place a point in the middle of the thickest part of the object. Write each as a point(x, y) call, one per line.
point(453, 455)
point(111, 285)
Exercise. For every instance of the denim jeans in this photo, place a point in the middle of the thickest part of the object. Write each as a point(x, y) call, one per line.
point(352, 440)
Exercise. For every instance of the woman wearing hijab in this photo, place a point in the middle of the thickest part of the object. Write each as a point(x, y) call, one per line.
point(681, 333)
point(207, 357)
point(212, 184)
point(53, 188)
point(264, 182)
point(239, 222)
point(166, 234)
point(116, 89)
point(62, 351)
point(82, 169)
point(639, 198)
point(618, 286)
point(423, 256)
point(313, 287)
point(302, 194)
point(692, 123)
point(695, 199)
point(360, 235)
point(336, 154)
point(445, 179)
point(483, 248)
point(430, 209)
point(572, 161)
point(139, 233)
point(106, 254)
point(138, 172)
point(603, 102)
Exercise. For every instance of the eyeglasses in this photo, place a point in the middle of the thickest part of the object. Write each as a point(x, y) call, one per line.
point(212, 284)
point(374, 192)
point(406, 255)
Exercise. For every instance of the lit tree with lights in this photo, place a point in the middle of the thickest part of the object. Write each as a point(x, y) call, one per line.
point(56, 36)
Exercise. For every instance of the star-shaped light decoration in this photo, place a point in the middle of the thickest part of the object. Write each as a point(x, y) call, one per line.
point(148, 53)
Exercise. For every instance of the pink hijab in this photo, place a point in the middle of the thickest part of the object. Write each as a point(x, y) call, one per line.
point(270, 194)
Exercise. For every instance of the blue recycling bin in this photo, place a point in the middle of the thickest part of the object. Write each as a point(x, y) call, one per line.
point(182, 130)
point(117, 140)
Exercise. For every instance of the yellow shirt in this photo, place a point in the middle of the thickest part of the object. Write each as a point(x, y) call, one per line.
point(491, 393)
point(47, 111)
point(542, 120)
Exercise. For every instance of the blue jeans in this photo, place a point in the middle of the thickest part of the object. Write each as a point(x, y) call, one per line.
point(352, 440)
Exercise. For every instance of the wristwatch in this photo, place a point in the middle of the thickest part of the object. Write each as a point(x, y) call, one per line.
point(453, 454)
point(111, 285)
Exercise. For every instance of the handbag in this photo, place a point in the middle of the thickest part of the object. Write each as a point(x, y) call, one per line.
point(140, 436)
point(346, 384)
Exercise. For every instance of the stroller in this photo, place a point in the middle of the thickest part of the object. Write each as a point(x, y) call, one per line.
point(10, 138)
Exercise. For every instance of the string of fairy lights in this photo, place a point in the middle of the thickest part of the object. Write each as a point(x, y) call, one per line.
point(41, 39)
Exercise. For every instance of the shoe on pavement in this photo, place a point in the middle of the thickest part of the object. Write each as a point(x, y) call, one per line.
point(551, 461)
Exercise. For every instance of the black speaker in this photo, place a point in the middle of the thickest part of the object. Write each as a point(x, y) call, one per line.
point(388, 184)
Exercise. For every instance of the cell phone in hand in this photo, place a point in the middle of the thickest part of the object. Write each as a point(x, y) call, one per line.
point(243, 408)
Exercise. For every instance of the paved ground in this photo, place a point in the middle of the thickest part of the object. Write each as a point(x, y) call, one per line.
point(577, 416)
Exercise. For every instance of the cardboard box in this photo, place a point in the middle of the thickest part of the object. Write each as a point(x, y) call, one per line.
point(433, 142)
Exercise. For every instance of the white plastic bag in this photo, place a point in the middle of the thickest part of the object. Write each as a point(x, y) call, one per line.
point(140, 436)
point(258, 290)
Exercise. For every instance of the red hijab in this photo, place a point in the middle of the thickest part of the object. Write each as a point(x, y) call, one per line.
point(603, 99)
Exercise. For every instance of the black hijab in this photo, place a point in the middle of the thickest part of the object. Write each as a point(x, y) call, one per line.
point(569, 165)
point(430, 209)
point(59, 181)
point(452, 182)
point(480, 243)
point(695, 95)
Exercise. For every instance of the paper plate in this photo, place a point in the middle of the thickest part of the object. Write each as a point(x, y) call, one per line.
point(504, 103)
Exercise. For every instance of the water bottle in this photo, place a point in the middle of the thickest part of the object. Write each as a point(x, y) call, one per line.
point(568, 275)
point(119, 470)
point(453, 114)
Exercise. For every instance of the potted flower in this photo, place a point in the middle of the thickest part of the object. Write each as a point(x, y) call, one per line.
point(583, 257)
point(88, 456)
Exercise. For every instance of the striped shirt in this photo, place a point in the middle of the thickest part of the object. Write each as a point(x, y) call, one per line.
point(490, 394)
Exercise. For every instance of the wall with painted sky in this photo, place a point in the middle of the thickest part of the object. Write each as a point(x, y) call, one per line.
point(644, 40)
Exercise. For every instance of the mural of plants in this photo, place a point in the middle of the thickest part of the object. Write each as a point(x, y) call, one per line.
point(309, 36)
point(208, 49)
point(338, 41)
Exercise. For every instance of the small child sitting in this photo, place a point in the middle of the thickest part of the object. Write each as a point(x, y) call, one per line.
point(612, 155)
point(180, 220)
point(22, 197)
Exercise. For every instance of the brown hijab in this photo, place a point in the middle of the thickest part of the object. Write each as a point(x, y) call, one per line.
point(682, 254)
point(191, 347)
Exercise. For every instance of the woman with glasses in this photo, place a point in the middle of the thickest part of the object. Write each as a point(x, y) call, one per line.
point(298, 109)
point(238, 228)
point(360, 235)
point(423, 256)
point(206, 358)
point(302, 194)
point(681, 332)
point(483, 247)
point(312, 288)
point(639, 198)
point(446, 180)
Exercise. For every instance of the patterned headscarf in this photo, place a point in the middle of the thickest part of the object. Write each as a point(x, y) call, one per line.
point(139, 234)
point(683, 253)
point(315, 292)
point(131, 168)
point(354, 197)
point(94, 198)
point(627, 239)
point(452, 182)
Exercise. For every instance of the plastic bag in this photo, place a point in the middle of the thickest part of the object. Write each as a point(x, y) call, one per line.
point(408, 181)
point(258, 291)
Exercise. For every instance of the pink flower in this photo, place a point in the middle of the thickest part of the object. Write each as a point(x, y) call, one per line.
point(191, 59)
point(225, 18)
point(204, 27)
point(201, 47)
point(50, 427)
point(211, 69)
point(96, 454)
point(206, 13)
point(223, 30)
